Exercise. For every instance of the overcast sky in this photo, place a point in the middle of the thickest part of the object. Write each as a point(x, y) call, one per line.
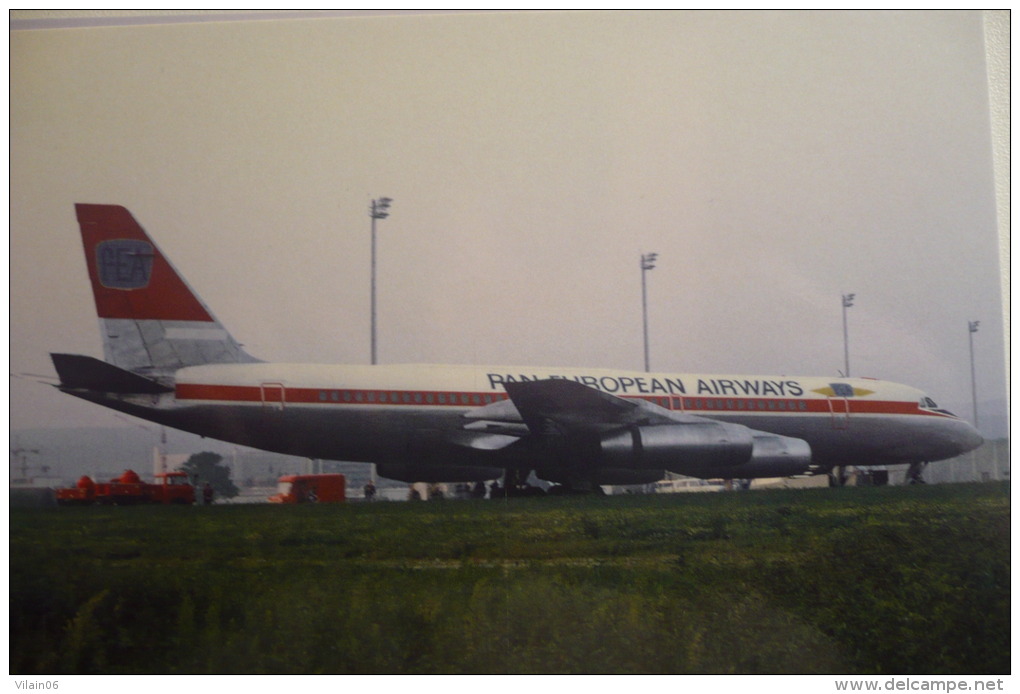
point(774, 161)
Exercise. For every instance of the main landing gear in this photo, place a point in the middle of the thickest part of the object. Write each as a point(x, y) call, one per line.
point(841, 476)
point(915, 473)
point(838, 476)
point(515, 484)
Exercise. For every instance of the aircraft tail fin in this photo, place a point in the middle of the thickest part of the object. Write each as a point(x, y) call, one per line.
point(152, 322)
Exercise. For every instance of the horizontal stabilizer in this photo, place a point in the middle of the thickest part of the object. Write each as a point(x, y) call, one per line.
point(80, 372)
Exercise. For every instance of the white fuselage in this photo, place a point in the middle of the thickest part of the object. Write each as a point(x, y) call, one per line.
point(371, 413)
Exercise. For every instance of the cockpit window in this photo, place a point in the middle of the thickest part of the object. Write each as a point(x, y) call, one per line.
point(929, 404)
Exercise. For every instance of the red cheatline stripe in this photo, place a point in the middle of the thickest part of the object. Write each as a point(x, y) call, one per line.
point(271, 392)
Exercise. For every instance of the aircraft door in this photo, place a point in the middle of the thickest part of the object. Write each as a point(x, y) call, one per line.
point(839, 408)
point(274, 396)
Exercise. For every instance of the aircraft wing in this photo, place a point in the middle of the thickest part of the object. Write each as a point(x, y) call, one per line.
point(539, 407)
point(635, 434)
point(572, 406)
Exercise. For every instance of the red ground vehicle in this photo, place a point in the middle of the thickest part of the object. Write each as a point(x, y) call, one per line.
point(170, 488)
point(82, 493)
point(303, 489)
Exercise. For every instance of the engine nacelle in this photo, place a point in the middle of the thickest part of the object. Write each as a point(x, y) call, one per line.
point(775, 456)
point(677, 447)
point(706, 449)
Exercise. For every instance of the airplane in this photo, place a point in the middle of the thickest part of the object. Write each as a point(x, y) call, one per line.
point(170, 361)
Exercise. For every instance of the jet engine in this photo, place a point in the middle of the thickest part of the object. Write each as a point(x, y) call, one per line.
point(705, 449)
point(705, 444)
point(775, 456)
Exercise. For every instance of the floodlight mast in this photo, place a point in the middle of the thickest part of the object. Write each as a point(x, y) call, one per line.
point(972, 327)
point(379, 210)
point(848, 301)
point(647, 263)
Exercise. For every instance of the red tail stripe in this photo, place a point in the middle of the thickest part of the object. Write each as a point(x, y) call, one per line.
point(164, 297)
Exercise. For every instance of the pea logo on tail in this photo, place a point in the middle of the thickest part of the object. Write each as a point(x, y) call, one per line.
point(124, 263)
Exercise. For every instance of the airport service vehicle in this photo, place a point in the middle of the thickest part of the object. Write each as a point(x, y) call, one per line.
point(304, 489)
point(129, 489)
point(170, 361)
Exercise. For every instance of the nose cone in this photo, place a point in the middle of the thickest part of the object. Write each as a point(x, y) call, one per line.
point(946, 438)
point(968, 438)
point(956, 437)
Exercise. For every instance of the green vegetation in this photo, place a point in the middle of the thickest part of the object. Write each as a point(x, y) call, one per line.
point(206, 468)
point(853, 580)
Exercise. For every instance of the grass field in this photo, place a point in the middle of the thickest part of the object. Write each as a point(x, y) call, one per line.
point(852, 580)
